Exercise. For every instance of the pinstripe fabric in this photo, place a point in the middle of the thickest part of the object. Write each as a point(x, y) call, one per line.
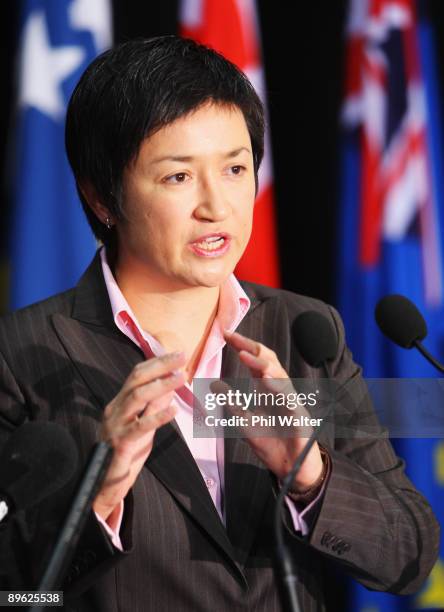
point(63, 359)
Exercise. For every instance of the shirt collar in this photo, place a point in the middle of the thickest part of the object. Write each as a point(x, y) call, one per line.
point(234, 304)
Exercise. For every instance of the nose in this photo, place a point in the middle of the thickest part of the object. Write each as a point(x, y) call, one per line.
point(212, 204)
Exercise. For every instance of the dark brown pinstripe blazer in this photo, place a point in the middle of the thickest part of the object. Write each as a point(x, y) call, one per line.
point(63, 359)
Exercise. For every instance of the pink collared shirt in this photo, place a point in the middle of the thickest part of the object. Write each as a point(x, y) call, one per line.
point(207, 452)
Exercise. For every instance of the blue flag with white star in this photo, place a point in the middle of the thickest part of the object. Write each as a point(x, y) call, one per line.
point(50, 240)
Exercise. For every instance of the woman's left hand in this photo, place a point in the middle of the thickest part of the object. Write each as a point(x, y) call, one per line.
point(277, 453)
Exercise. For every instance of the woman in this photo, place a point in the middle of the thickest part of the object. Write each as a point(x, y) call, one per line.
point(165, 139)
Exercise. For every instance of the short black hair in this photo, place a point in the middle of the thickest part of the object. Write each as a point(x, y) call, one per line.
point(129, 92)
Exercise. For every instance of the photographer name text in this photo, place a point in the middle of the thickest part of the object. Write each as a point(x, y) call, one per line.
point(262, 421)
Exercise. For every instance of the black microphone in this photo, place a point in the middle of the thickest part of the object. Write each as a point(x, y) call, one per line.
point(37, 459)
point(400, 320)
point(315, 338)
point(317, 344)
point(67, 540)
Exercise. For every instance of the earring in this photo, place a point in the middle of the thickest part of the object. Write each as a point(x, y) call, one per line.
point(108, 223)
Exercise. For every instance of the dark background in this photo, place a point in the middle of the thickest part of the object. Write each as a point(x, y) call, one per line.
point(303, 53)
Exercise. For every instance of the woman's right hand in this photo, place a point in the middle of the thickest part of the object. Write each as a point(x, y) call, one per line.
point(149, 389)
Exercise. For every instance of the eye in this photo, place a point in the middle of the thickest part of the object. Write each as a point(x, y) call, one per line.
point(238, 170)
point(177, 178)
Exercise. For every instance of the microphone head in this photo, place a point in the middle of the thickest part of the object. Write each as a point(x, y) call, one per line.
point(400, 320)
point(37, 459)
point(315, 338)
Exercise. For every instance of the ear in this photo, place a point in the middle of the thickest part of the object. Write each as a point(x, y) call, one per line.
point(95, 203)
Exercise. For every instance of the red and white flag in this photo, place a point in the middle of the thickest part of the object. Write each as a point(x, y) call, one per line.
point(385, 97)
point(230, 27)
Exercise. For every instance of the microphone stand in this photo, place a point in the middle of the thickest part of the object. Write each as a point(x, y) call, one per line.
point(425, 353)
point(94, 474)
point(284, 558)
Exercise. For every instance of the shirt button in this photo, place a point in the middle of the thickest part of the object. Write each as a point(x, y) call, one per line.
point(209, 482)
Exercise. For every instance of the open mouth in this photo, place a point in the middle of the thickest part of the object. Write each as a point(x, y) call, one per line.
point(211, 244)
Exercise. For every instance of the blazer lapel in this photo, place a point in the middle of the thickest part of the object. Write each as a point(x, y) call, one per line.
point(173, 464)
point(247, 483)
point(102, 355)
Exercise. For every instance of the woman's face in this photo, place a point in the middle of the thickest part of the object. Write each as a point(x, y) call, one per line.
point(192, 178)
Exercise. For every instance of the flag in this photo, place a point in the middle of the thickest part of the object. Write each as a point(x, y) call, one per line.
point(391, 223)
point(50, 240)
point(231, 28)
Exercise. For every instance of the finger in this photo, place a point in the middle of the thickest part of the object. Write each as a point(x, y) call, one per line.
point(262, 361)
point(157, 404)
point(262, 368)
point(274, 377)
point(238, 409)
point(259, 367)
point(240, 342)
point(139, 397)
point(143, 373)
point(153, 420)
point(153, 368)
point(148, 423)
point(221, 387)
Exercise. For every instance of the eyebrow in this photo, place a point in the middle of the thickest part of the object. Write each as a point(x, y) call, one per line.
point(189, 158)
